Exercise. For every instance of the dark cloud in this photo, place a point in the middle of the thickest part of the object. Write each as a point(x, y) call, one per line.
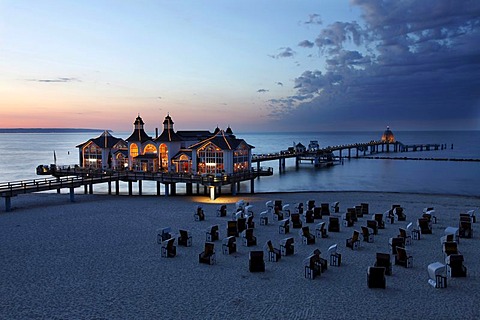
point(262, 90)
point(313, 19)
point(284, 53)
point(280, 83)
point(56, 80)
point(409, 62)
point(306, 44)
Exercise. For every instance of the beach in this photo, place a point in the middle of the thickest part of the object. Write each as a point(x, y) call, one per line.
point(98, 258)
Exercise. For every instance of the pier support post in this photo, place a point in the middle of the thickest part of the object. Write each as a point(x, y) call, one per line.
point(58, 180)
point(8, 204)
point(173, 187)
point(189, 188)
point(198, 188)
point(219, 190)
point(158, 188)
point(85, 189)
point(167, 189)
point(252, 186)
point(212, 192)
point(238, 186)
point(258, 169)
point(109, 183)
point(130, 191)
point(233, 187)
point(90, 188)
point(72, 194)
point(117, 187)
point(140, 187)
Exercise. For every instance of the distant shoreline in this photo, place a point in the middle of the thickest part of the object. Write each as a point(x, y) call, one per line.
point(47, 130)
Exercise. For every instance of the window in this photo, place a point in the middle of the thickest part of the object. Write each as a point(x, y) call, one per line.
point(210, 159)
point(163, 156)
point(150, 148)
point(92, 156)
point(240, 159)
point(133, 150)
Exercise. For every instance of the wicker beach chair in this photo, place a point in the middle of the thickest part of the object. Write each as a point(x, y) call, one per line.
point(232, 229)
point(333, 224)
point(284, 226)
point(334, 256)
point(169, 250)
point(403, 233)
point(394, 243)
point(376, 277)
point(320, 230)
point(450, 247)
point(403, 258)
point(383, 260)
point(229, 245)
point(274, 254)
point(208, 254)
point(296, 222)
point(347, 218)
point(312, 266)
point(307, 237)
point(367, 234)
point(287, 246)
point(373, 224)
point(424, 226)
point(164, 234)
point(185, 238)
point(248, 239)
point(354, 242)
point(309, 216)
point(241, 224)
point(256, 262)
point(199, 214)
point(212, 233)
point(455, 267)
point(250, 223)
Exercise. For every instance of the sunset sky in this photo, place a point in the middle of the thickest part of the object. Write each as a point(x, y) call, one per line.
point(273, 65)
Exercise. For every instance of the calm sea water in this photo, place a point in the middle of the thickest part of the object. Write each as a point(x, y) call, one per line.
point(21, 153)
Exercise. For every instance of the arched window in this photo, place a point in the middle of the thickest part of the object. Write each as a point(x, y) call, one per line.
point(210, 159)
point(133, 150)
point(92, 156)
point(163, 156)
point(150, 148)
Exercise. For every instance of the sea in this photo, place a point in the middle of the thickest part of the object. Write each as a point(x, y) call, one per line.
point(21, 153)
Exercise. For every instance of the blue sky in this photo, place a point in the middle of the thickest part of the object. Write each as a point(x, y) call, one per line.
point(253, 65)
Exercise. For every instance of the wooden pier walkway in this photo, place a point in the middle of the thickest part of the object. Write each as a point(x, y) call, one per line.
point(71, 178)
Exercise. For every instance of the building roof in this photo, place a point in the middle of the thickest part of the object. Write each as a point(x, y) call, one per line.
point(168, 135)
point(105, 140)
point(138, 135)
point(194, 134)
point(221, 140)
point(186, 152)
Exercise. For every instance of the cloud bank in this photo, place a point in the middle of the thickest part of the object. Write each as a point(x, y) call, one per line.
point(411, 63)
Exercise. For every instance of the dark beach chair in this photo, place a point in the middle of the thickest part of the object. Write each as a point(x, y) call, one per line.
point(274, 254)
point(403, 258)
point(248, 239)
point(394, 243)
point(168, 248)
point(256, 262)
point(333, 224)
point(320, 230)
point(208, 254)
point(232, 229)
point(307, 237)
point(222, 210)
point(296, 222)
point(455, 267)
point(284, 226)
point(229, 245)
point(373, 224)
point(309, 216)
point(199, 214)
point(212, 233)
point(185, 238)
point(376, 277)
point(354, 242)
point(367, 234)
point(287, 246)
point(383, 260)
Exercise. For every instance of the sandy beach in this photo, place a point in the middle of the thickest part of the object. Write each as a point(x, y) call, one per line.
point(98, 258)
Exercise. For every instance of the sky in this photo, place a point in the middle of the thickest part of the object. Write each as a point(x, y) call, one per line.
point(256, 66)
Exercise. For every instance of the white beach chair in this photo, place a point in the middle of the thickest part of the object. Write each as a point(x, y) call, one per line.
point(286, 210)
point(334, 256)
point(264, 218)
point(437, 276)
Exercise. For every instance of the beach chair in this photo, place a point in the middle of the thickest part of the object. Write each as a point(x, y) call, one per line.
point(414, 232)
point(222, 210)
point(394, 243)
point(356, 213)
point(354, 242)
point(335, 257)
point(274, 254)
point(325, 208)
point(296, 222)
point(299, 208)
point(376, 277)
point(403, 233)
point(333, 224)
point(455, 267)
point(383, 260)
point(450, 234)
point(284, 226)
point(473, 218)
point(241, 224)
point(286, 210)
point(168, 248)
point(367, 234)
point(250, 223)
point(277, 214)
point(309, 216)
point(277, 204)
point(347, 218)
point(312, 267)
point(430, 215)
point(248, 210)
point(310, 204)
point(212, 233)
point(229, 245)
point(256, 262)
point(335, 207)
point(449, 247)
point(403, 258)
point(424, 226)
point(264, 218)
point(317, 214)
point(399, 214)
point(365, 211)
point(163, 234)
point(199, 215)
point(240, 205)
point(208, 254)
point(437, 275)
point(232, 229)
point(320, 230)
point(287, 246)
point(185, 238)
point(248, 239)
point(379, 218)
point(465, 229)
point(269, 206)
point(373, 224)
point(307, 237)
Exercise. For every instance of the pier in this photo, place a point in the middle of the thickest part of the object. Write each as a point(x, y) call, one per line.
point(331, 155)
